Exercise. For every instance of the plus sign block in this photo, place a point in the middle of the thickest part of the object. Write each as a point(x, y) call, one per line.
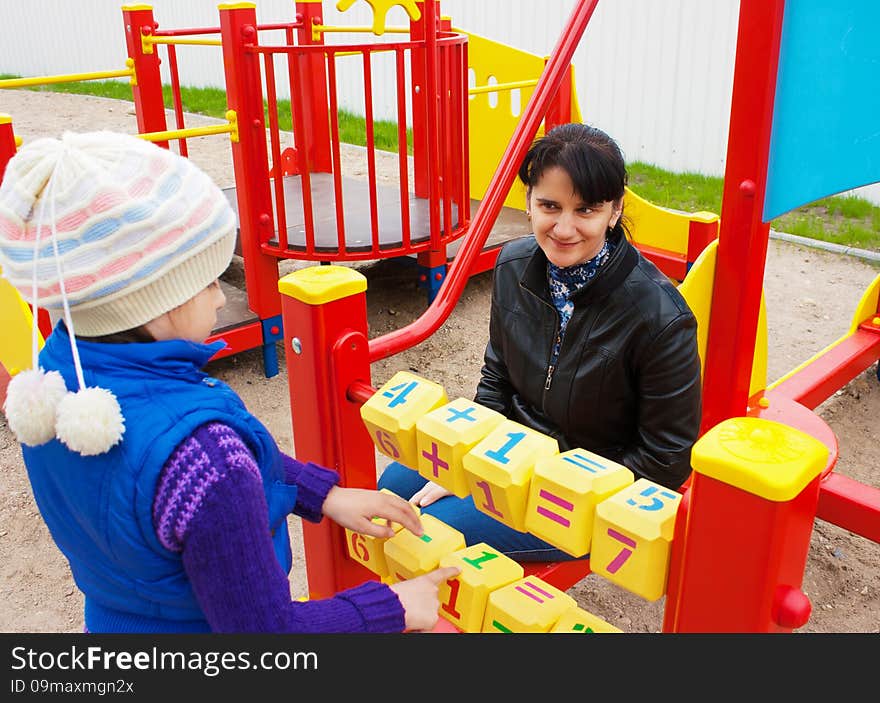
point(483, 569)
point(408, 556)
point(578, 621)
point(499, 470)
point(527, 605)
point(369, 551)
point(445, 435)
point(563, 495)
point(632, 537)
point(392, 411)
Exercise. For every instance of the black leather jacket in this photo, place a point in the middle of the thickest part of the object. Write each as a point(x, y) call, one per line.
point(627, 382)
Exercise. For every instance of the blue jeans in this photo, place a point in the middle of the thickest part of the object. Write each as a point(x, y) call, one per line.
point(476, 526)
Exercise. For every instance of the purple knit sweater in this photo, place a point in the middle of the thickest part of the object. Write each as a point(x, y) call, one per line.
point(210, 507)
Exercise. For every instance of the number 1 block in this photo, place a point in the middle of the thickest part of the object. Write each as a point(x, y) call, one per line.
point(632, 537)
point(527, 605)
point(564, 492)
point(483, 569)
point(499, 470)
point(392, 411)
point(445, 435)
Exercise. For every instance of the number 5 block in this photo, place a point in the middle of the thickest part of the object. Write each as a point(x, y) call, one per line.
point(445, 435)
point(632, 537)
point(564, 492)
point(499, 470)
point(392, 411)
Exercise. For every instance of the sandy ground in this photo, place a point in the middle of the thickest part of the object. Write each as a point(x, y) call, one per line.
point(811, 297)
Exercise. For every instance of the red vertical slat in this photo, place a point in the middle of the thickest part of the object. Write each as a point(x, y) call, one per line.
point(300, 139)
point(371, 148)
point(402, 152)
point(175, 94)
point(337, 159)
point(275, 140)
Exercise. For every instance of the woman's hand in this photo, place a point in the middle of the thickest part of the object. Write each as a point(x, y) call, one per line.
point(429, 493)
point(419, 597)
point(355, 509)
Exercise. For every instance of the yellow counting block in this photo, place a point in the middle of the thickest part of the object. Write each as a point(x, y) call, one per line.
point(563, 495)
point(445, 435)
point(370, 551)
point(391, 413)
point(632, 537)
point(499, 470)
point(483, 569)
point(409, 556)
point(526, 605)
point(578, 621)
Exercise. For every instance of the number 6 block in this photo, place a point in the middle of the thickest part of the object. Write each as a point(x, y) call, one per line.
point(392, 411)
point(499, 470)
point(632, 537)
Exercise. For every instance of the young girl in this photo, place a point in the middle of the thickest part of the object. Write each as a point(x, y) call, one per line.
point(168, 498)
point(589, 342)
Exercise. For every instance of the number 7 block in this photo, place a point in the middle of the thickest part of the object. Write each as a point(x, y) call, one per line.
point(632, 537)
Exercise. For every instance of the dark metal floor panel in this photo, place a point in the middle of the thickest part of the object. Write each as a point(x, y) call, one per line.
point(511, 223)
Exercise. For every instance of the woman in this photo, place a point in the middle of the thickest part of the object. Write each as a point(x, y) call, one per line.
point(589, 342)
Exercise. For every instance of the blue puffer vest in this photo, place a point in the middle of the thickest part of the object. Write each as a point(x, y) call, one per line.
point(99, 508)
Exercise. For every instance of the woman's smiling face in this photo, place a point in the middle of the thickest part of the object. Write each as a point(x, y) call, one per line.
point(568, 230)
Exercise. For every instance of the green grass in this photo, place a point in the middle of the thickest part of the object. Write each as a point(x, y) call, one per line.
point(848, 221)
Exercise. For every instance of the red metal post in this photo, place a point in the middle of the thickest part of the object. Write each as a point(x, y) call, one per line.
point(740, 550)
point(308, 84)
point(559, 110)
point(324, 311)
point(7, 142)
point(250, 159)
point(742, 246)
point(149, 105)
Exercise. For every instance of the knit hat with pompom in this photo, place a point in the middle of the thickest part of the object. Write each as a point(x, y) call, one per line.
point(110, 231)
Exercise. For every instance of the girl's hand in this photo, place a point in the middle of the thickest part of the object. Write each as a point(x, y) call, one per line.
point(419, 597)
point(429, 493)
point(355, 509)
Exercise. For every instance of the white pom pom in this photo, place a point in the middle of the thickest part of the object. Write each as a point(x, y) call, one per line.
point(32, 399)
point(89, 421)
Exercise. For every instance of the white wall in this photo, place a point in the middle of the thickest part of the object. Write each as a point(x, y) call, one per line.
point(655, 74)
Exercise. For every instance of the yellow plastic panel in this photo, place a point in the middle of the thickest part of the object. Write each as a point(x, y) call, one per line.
point(696, 289)
point(527, 605)
point(578, 621)
point(392, 411)
point(445, 435)
point(368, 550)
point(492, 118)
point(499, 470)
point(632, 537)
point(563, 495)
point(660, 227)
point(408, 556)
point(16, 321)
point(483, 569)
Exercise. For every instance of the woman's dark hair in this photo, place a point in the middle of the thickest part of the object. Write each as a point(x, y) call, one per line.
point(590, 157)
